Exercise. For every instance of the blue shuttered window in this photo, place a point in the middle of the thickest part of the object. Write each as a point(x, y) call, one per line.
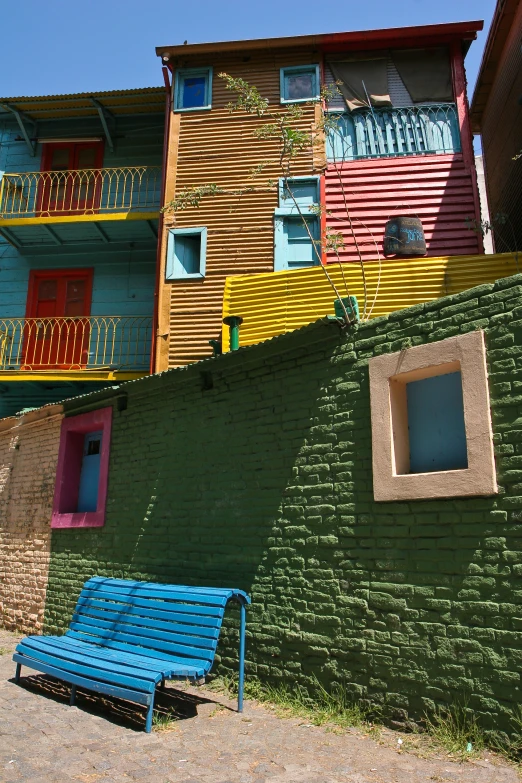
point(297, 237)
point(378, 133)
point(90, 472)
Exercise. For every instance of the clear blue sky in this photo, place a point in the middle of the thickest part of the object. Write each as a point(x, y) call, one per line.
point(59, 46)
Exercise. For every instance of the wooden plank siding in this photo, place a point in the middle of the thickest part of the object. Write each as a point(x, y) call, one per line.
point(436, 188)
point(216, 146)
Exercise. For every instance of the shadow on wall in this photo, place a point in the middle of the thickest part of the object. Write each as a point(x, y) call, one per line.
point(264, 482)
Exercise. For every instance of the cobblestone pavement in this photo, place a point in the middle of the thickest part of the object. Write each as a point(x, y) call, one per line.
point(43, 740)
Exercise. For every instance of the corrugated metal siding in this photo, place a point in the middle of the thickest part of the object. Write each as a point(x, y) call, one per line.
point(436, 188)
point(271, 304)
point(502, 140)
point(219, 147)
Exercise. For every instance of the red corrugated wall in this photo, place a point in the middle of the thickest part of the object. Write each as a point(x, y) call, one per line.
point(436, 188)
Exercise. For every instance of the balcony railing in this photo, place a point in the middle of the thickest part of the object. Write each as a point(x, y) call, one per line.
point(80, 192)
point(381, 133)
point(103, 342)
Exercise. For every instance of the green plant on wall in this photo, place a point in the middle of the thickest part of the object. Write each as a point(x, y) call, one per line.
point(282, 126)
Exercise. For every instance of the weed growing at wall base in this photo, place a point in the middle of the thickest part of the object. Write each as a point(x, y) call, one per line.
point(335, 707)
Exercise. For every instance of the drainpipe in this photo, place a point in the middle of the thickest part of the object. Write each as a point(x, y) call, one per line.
point(234, 322)
point(165, 70)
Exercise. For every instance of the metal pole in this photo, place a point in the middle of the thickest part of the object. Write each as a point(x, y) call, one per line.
point(234, 322)
point(242, 628)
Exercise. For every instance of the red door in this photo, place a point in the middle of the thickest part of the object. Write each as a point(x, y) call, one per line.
point(56, 333)
point(71, 181)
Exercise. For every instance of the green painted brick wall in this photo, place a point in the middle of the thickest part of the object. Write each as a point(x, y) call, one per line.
point(264, 482)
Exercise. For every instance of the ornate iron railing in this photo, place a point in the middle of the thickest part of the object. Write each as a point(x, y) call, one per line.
point(80, 192)
point(380, 133)
point(81, 343)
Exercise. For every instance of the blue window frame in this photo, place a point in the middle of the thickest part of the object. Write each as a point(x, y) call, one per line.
point(90, 472)
point(299, 83)
point(186, 253)
point(193, 89)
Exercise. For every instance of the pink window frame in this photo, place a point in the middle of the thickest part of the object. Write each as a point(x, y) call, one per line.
point(68, 470)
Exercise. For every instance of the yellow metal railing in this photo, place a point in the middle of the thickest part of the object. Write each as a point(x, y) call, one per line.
point(278, 302)
point(81, 192)
point(82, 343)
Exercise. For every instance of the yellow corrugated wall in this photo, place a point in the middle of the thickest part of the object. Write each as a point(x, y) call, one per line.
point(278, 302)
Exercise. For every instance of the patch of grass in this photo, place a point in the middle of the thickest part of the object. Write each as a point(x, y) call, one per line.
point(457, 731)
point(164, 721)
point(335, 707)
point(3, 650)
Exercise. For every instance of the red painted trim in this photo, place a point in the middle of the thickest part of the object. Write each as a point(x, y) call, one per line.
point(68, 470)
point(155, 319)
point(466, 138)
point(322, 201)
point(420, 35)
point(73, 148)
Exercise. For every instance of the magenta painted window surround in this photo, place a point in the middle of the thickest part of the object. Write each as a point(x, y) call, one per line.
point(72, 437)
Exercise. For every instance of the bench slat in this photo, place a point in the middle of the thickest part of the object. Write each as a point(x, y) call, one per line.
point(173, 595)
point(55, 646)
point(91, 634)
point(194, 645)
point(224, 592)
point(135, 656)
point(84, 682)
point(103, 675)
point(191, 667)
point(146, 608)
point(192, 631)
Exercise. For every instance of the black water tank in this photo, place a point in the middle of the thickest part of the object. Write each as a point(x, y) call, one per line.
point(404, 236)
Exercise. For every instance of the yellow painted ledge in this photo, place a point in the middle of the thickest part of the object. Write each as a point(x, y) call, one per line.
point(90, 218)
point(277, 302)
point(69, 375)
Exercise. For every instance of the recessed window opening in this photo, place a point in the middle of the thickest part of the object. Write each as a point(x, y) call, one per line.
point(429, 433)
point(90, 472)
point(186, 253)
point(436, 429)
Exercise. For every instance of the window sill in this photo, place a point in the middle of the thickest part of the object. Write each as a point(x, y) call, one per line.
point(194, 108)
point(78, 519)
point(300, 100)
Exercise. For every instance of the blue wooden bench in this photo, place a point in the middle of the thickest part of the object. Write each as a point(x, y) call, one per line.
point(126, 637)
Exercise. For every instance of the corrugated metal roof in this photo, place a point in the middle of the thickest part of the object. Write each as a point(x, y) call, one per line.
point(40, 107)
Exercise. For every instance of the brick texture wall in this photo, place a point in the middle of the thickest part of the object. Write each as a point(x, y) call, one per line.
point(28, 454)
point(264, 482)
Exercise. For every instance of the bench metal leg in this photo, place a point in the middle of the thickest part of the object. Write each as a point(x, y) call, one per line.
point(73, 695)
point(17, 675)
point(148, 723)
point(242, 628)
point(162, 686)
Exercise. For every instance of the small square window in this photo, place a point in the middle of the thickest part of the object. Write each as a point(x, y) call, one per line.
point(83, 464)
point(186, 253)
point(193, 89)
point(299, 83)
point(431, 422)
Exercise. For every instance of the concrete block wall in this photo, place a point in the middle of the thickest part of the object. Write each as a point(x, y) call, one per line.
point(28, 455)
point(254, 470)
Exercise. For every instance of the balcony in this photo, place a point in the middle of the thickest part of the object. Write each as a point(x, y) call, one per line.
point(97, 199)
point(103, 347)
point(385, 133)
